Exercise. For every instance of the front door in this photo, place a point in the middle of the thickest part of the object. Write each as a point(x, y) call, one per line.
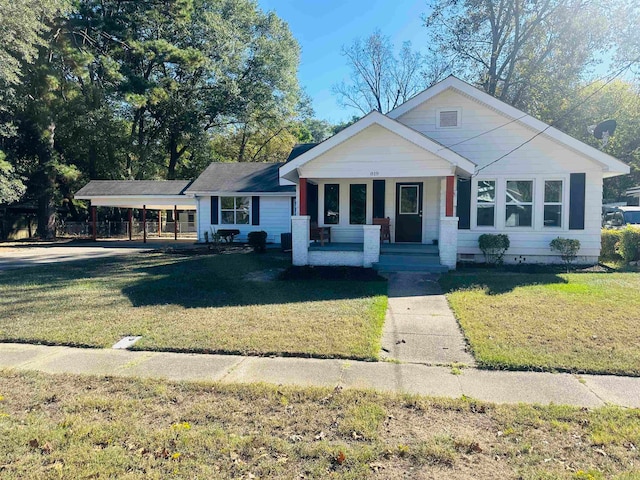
point(409, 212)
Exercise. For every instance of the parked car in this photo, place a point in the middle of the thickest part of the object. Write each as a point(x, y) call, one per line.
point(617, 217)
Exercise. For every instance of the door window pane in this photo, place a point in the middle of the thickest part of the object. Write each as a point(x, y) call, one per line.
point(486, 203)
point(408, 199)
point(357, 204)
point(519, 203)
point(331, 204)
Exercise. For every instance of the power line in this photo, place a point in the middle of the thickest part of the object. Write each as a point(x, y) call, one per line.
point(571, 110)
point(613, 75)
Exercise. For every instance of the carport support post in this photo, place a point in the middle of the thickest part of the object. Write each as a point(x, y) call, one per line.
point(175, 222)
point(159, 223)
point(144, 224)
point(93, 223)
point(130, 222)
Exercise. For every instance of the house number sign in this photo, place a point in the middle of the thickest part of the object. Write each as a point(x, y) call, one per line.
point(374, 174)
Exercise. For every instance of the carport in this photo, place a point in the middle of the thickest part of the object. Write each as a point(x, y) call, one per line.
point(142, 195)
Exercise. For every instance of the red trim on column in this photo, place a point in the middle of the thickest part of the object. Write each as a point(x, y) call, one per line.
point(175, 222)
point(93, 223)
point(449, 196)
point(303, 197)
point(144, 224)
point(130, 224)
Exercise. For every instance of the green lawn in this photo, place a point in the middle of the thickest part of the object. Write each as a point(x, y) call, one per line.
point(583, 322)
point(71, 427)
point(206, 303)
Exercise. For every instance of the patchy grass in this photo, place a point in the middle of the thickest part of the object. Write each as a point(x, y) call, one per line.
point(192, 303)
point(582, 322)
point(68, 427)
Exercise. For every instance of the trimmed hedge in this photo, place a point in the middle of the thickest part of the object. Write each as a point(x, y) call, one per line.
point(621, 244)
point(629, 246)
point(609, 246)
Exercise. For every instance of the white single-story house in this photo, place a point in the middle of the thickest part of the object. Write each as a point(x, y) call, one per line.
point(445, 167)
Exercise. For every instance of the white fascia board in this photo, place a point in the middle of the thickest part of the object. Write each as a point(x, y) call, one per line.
point(141, 198)
point(393, 126)
point(242, 194)
point(611, 165)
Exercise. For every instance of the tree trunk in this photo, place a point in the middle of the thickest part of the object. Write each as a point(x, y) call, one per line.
point(47, 178)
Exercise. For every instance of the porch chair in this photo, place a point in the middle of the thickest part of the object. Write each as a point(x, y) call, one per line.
point(319, 233)
point(385, 231)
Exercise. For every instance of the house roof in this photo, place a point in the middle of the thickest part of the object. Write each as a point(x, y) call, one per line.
point(610, 165)
point(299, 149)
point(390, 124)
point(108, 188)
point(243, 177)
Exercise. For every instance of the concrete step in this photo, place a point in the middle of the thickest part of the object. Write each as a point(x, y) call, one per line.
point(408, 249)
point(409, 259)
point(404, 267)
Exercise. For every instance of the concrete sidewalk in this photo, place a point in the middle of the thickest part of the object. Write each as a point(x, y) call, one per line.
point(499, 387)
point(419, 326)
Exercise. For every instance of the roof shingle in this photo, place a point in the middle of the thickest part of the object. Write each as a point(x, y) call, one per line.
point(240, 177)
point(107, 188)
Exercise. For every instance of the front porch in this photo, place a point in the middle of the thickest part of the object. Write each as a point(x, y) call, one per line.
point(371, 253)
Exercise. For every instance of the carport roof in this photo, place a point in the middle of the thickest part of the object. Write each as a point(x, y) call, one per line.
point(118, 188)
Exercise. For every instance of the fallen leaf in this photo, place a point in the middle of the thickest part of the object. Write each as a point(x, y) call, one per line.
point(46, 448)
point(341, 458)
point(34, 443)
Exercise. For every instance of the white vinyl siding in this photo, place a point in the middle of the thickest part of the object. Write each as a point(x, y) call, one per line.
point(275, 218)
point(376, 153)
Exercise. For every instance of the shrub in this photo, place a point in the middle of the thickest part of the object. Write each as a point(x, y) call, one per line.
point(568, 249)
point(258, 240)
point(493, 247)
point(610, 244)
point(629, 246)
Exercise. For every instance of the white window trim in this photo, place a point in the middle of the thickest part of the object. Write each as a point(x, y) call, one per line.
point(449, 109)
point(235, 209)
point(474, 204)
point(562, 203)
point(532, 203)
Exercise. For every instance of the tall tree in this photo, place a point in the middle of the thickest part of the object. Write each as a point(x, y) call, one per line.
point(519, 51)
point(381, 80)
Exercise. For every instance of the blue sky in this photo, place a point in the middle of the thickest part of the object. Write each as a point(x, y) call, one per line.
point(322, 27)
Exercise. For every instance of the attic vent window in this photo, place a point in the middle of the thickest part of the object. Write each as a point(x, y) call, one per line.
point(449, 118)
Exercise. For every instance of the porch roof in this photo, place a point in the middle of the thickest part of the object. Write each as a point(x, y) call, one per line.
point(289, 171)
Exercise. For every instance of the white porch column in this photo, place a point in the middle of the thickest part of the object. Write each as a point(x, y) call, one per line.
point(300, 239)
point(371, 245)
point(448, 243)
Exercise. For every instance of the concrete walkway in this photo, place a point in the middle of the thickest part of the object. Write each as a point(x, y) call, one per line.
point(499, 387)
point(420, 326)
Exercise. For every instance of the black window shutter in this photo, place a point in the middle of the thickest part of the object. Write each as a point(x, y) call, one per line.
point(255, 210)
point(378, 198)
point(214, 210)
point(293, 206)
point(464, 203)
point(576, 201)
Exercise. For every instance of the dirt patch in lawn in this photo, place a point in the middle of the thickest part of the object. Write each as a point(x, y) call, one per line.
point(54, 426)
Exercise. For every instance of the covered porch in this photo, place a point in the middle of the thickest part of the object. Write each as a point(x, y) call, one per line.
point(376, 168)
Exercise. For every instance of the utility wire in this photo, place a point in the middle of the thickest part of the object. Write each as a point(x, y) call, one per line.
point(571, 110)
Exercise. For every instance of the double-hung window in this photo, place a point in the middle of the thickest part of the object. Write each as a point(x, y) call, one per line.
point(553, 203)
point(234, 210)
point(331, 204)
point(519, 203)
point(486, 203)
